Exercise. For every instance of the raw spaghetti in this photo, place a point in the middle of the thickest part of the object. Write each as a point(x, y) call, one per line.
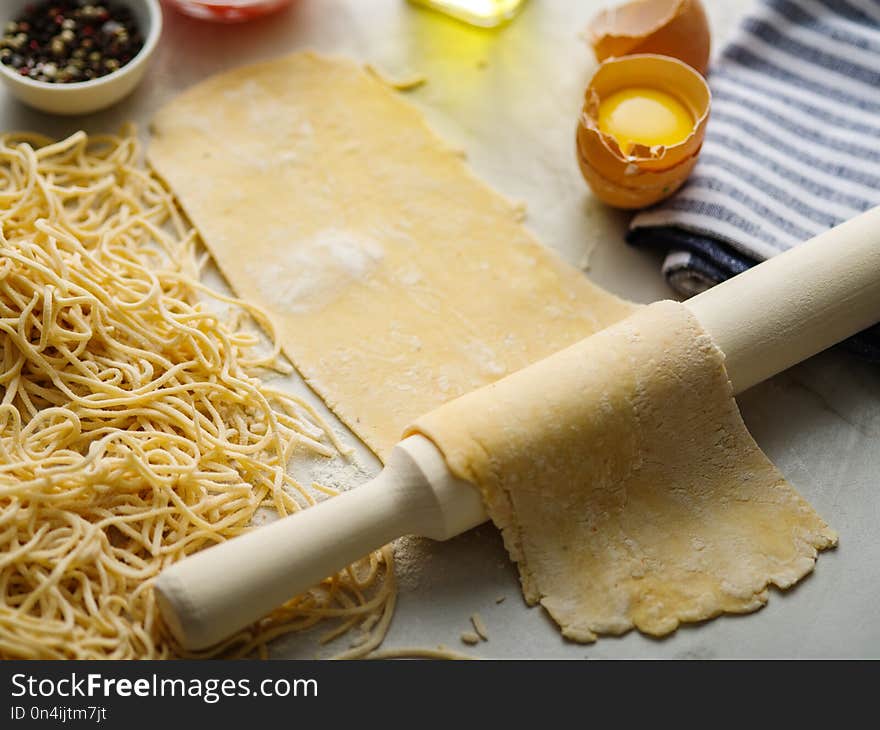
point(135, 426)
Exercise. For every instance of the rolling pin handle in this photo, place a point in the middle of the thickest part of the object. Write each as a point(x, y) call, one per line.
point(222, 589)
point(796, 304)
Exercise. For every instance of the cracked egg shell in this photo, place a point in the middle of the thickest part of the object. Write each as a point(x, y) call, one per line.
point(646, 174)
point(677, 28)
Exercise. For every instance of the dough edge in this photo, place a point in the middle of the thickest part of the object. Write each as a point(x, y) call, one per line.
point(487, 476)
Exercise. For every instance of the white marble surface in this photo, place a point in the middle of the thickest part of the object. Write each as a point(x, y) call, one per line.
point(509, 99)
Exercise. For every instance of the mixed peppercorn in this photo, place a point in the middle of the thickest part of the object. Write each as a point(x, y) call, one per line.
point(65, 41)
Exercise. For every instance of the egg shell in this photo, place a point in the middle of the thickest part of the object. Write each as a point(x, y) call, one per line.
point(647, 174)
point(677, 28)
point(652, 187)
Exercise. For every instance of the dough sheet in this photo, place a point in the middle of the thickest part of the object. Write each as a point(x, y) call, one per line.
point(396, 278)
point(625, 483)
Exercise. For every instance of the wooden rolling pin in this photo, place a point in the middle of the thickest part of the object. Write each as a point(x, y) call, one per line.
point(764, 320)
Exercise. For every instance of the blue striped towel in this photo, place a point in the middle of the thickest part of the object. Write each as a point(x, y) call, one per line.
point(792, 146)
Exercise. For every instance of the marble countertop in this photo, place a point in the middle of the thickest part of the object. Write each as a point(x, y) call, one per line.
point(509, 98)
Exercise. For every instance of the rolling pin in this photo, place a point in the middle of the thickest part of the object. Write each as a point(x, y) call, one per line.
point(764, 320)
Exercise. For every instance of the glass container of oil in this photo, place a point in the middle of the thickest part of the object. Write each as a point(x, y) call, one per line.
point(485, 13)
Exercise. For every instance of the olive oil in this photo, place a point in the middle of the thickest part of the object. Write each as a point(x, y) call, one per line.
point(485, 13)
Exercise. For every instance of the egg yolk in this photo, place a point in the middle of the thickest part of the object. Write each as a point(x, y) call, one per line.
point(644, 116)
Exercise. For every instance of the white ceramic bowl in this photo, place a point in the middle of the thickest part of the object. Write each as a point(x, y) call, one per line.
point(84, 97)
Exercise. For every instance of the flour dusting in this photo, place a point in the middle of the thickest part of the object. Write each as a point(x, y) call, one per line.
point(314, 272)
point(484, 357)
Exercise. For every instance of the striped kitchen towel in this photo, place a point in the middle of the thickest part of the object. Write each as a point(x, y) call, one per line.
point(792, 146)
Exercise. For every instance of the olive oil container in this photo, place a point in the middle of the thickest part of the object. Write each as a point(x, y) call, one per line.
point(484, 13)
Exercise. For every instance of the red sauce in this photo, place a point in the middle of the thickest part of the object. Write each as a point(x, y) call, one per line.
point(229, 11)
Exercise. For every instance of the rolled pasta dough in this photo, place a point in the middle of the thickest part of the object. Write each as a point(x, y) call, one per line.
point(625, 483)
point(619, 471)
point(397, 279)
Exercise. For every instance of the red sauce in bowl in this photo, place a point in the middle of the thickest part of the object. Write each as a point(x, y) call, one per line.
point(228, 11)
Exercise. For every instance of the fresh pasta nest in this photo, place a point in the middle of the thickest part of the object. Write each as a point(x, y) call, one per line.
point(135, 428)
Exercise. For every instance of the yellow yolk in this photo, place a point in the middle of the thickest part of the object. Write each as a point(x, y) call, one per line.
point(644, 116)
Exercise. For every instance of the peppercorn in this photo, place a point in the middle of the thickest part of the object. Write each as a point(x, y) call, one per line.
point(65, 41)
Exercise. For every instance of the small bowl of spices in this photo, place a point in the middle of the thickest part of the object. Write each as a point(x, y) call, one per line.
point(77, 56)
